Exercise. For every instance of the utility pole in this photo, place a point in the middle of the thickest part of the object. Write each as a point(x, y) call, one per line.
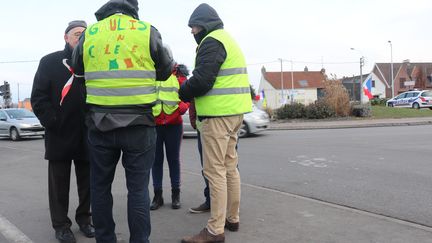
point(292, 83)
point(361, 76)
point(18, 93)
point(391, 67)
point(282, 83)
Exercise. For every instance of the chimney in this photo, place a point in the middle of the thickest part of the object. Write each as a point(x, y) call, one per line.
point(263, 70)
point(306, 69)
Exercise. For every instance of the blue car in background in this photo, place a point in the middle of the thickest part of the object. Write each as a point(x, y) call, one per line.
point(412, 99)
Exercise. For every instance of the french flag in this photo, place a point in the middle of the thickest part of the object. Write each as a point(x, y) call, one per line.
point(262, 96)
point(367, 88)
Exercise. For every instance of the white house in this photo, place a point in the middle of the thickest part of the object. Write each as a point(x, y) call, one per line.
point(298, 86)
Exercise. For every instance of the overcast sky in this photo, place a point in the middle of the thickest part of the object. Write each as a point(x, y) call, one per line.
point(313, 33)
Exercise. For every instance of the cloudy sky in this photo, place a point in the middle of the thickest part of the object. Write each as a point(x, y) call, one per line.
point(312, 33)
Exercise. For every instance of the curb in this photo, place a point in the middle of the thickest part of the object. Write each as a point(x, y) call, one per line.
point(343, 124)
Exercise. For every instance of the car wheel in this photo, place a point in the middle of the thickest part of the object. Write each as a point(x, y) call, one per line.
point(243, 131)
point(390, 105)
point(416, 106)
point(14, 134)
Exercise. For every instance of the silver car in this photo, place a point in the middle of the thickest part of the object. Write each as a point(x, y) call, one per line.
point(18, 123)
point(253, 122)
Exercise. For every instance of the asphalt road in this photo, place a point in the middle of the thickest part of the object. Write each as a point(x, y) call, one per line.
point(385, 171)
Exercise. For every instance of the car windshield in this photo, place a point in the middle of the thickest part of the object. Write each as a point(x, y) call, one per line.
point(427, 94)
point(20, 113)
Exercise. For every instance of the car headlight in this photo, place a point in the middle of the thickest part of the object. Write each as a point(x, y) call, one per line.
point(25, 125)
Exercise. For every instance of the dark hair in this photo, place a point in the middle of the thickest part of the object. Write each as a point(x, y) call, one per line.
point(181, 69)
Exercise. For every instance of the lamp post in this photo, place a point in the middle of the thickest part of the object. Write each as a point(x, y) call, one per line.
point(361, 74)
point(282, 83)
point(391, 67)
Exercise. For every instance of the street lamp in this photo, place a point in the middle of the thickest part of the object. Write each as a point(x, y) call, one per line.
point(391, 67)
point(361, 73)
point(292, 83)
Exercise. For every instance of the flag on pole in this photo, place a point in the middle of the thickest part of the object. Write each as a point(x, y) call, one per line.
point(367, 88)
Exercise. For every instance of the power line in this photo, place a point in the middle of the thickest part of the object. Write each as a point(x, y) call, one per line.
point(302, 62)
point(250, 64)
point(20, 61)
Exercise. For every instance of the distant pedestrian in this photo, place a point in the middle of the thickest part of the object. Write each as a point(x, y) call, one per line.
point(169, 129)
point(221, 89)
point(58, 100)
point(121, 57)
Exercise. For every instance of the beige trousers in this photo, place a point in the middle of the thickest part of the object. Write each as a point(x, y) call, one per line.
point(219, 140)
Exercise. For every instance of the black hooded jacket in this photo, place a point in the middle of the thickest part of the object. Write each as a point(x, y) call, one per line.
point(210, 55)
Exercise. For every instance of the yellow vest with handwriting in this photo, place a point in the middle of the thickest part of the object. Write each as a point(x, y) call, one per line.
point(118, 66)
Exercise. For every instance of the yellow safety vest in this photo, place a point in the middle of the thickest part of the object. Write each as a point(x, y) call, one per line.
point(118, 66)
point(230, 94)
point(168, 98)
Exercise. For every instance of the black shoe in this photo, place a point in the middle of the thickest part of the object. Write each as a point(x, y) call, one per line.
point(87, 230)
point(233, 227)
point(175, 198)
point(65, 236)
point(157, 200)
point(203, 208)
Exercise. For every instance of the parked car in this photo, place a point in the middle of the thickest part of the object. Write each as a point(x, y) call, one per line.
point(19, 123)
point(253, 122)
point(412, 99)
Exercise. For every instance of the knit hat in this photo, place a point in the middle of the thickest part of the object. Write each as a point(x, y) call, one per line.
point(74, 24)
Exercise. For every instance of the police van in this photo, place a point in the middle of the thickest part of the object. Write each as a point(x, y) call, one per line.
point(412, 99)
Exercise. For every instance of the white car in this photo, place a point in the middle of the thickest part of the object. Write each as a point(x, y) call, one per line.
point(253, 122)
point(18, 123)
point(412, 99)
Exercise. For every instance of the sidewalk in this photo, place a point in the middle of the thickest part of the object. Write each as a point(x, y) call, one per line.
point(355, 123)
point(271, 216)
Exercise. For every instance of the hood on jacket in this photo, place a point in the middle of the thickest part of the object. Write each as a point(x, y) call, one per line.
point(206, 17)
point(128, 7)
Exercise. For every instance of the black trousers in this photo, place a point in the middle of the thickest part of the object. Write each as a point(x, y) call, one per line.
point(59, 172)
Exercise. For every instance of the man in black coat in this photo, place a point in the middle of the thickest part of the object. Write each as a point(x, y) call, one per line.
point(58, 100)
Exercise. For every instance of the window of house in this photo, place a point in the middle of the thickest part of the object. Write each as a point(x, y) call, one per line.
point(429, 79)
point(373, 83)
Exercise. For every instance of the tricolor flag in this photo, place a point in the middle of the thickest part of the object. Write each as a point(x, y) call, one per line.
point(367, 88)
point(263, 99)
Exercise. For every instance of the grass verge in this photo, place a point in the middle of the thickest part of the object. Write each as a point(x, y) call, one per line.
point(380, 112)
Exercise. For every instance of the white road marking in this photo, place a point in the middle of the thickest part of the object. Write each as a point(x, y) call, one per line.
point(11, 232)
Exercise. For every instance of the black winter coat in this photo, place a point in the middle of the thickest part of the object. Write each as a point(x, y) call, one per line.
point(65, 128)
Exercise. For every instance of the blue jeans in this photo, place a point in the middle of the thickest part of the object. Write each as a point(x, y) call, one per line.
point(136, 144)
point(171, 136)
